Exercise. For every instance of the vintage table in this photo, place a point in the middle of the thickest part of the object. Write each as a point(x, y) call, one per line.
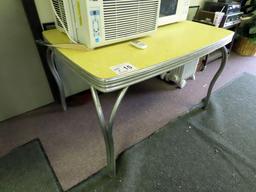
point(116, 67)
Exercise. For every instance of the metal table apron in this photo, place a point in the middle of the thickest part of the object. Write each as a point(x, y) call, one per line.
point(107, 125)
point(121, 83)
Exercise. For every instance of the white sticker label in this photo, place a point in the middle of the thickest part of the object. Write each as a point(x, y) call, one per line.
point(123, 68)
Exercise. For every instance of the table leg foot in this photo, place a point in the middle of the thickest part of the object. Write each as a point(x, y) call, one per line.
point(224, 52)
point(107, 127)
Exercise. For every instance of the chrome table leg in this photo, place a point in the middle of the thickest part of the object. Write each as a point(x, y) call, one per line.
point(224, 53)
point(107, 127)
point(52, 65)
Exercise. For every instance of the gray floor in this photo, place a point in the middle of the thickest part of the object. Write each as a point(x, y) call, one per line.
point(73, 140)
point(209, 150)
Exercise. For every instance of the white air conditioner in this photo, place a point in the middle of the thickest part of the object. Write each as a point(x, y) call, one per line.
point(95, 23)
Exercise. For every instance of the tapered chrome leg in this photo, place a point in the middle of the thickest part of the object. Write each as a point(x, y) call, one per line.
point(54, 71)
point(224, 52)
point(107, 127)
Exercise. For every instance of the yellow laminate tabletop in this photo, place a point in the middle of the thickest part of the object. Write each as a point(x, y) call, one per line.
point(167, 43)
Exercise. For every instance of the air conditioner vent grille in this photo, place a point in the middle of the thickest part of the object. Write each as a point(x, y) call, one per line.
point(123, 18)
point(60, 10)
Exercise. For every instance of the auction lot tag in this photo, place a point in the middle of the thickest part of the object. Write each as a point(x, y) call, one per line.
point(123, 68)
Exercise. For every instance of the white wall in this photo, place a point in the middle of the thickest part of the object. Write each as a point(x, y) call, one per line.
point(196, 2)
point(23, 83)
point(45, 13)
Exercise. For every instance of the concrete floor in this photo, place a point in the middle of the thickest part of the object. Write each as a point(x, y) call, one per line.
point(72, 139)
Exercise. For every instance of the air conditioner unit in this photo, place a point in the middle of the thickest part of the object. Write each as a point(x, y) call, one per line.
point(95, 23)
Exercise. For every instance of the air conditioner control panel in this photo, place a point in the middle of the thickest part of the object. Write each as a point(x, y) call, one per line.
point(95, 23)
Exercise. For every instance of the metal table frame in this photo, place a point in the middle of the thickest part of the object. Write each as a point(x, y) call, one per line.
point(107, 125)
point(206, 58)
